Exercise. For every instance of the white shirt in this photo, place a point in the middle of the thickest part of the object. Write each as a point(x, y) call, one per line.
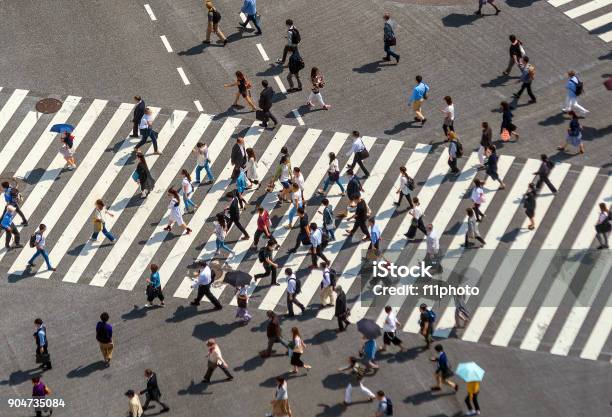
point(175, 208)
point(219, 231)
point(205, 276)
point(316, 237)
point(603, 216)
point(326, 278)
point(291, 284)
point(40, 241)
point(281, 393)
point(404, 185)
point(201, 155)
point(334, 166)
point(297, 196)
point(416, 212)
point(145, 121)
point(449, 112)
point(390, 324)
point(99, 215)
point(357, 146)
point(299, 180)
point(477, 195)
point(433, 243)
point(251, 169)
point(187, 188)
point(285, 174)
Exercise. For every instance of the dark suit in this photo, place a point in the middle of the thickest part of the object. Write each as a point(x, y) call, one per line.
point(265, 103)
point(138, 113)
point(234, 215)
point(152, 392)
point(341, 310)
point(238, 158)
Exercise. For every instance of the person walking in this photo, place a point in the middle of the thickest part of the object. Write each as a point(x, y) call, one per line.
point(244, 90)
point(214, 17)
point(485, 141)
point(491, 166)
point(104, 336)
point(482, 3)
point(134, 407)
point(295, 65)
point(317, 81)
point(472, 230)
point(39, 393)
point(99, 222)
point(426, 323)
point(574, 135)
point(206, 276)
point(298, 178)
point(368, 350)
point(9, 228)
point(242, 300)
point(360, 153)
point(453, 152)
point(39, 242)
point(417, 221)
point(419, 94)
point(152, 392)
point(389, 38)
point(238, 157)
point(265, 256)
point(263, 226)
point(449, 116)
point(527, 77)
point(293, 39)
point(543, 172)
point(280, 403)
point(574, 89)
point(187, 190)
point(362, 212)
point(333, 175)
point(220, 233)
point(327, 285)
point(274, 334)
point(283, 175)
point(507, 122)
point(329, 224)
point(234, 215)
point(406, 187)
point(529, 203)
point(296, 203)
point(297, 347)
point(203, 163)
point(67, 142)
point(443, 371)
point(390, 330)
point(316, 245)
point(385, 407)
point(293, 289)
point(516, 52)
point(375, 238)
point(215, 360)
point(265, 103)
point(341, 311)
point(146, 131)
point(249, 8)
point(143, 176)
point(42, 345)
point(251, 167)
point(471, 399)
point(139, 109)
point(603, 226)
point(154, 288)
point(303, 238)
point(478, 198)
point(356, 373)
point(176, 215)
point(13, 197)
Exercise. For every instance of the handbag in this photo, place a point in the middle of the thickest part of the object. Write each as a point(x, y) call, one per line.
point(97, 225)
point(260, 115)
point(242, 301)
point(135, 176)
point(505, 135)
point(391, 41)
point(43, 357)
point(363, 154)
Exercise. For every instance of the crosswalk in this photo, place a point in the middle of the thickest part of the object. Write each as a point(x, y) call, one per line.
point(593, 15)
point(543, 290)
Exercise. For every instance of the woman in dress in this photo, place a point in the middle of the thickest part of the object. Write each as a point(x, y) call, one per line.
point(529, 202)
point(251, 167)
point(333, 174)
point(574, 135)
point(507, 120)
point(316, 78)
point(99, 221)
point(280, 403)
point(175, 216)
point(67, 141)
point(187, 189)
point(154, 289)
point(478, 199)
point(143, 176)
point(244, 87)
point(220, 232)
point(297, 346)
point(603, 226)
point(242, 298)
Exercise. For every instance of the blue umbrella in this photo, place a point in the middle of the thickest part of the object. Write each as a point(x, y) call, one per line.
point(62, 127)
point(470, 372)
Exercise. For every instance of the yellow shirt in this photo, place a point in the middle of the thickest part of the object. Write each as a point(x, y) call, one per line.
point(473, 387)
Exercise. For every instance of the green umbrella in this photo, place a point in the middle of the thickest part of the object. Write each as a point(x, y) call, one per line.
point(470, 372)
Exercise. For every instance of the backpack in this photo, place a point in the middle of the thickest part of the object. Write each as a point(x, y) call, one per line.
point(432, 316)
point(262, 255)
point(33, 240)
point(579, 87)
point(389, 406)
point(16, 196)
point(298, 286)
point(550, 164)
point(216, 16)
point(531, 72)
point(295, 36)
point(411, 183)
point(459, 149)
point(301, 64)
point(333, 276)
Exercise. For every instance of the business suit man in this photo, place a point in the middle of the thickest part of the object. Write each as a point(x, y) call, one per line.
point(238, 157)
point(341, 309)
point(139, 110)
point(234, 216)
point(265, 103)
point(152, 392)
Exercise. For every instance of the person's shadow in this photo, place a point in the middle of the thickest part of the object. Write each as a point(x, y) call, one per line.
point(194, 389)
point(369, 68)
point(19, 377)
point(85, 371)
point(412, 124)
point(455, 20)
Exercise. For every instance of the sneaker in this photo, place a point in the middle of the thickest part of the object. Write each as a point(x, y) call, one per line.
point(470, 413)
point(188, 231)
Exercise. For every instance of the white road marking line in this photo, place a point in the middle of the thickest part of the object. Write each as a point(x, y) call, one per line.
point(150, 12)
point(262, 51)
point(11, 105)
point(298, 117)
point(513, 316)
point(519, 246)
point(557, 3)
point(183, 76)
point(166, 43)
point(198, 105)
point(587, 8)
point(280, 84)
point(598, 21)
point(243, 18)
point(599, 334)
point(17, 139)
point(606, 37)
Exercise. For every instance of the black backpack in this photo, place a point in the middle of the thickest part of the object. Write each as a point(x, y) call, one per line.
point(216, 16)
point(298, 286)
point(579, 87)
point(333, 276)
point(459, 149)
point(411, 182)
point(389, 406)
point(295, 36)
point(262, 256)
point(33, 240)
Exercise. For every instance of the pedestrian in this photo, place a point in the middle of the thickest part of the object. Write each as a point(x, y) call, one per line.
point(234, 215)
point(146, 131)
point(507, 122)
point(472, 230)
point(238, 157)
point(293, 289)
point(104, 336)
point(39, 393)
point(220, 233)
point(13, 197)
point(283, 175)
point(298, 178)
point(389, 38)
point(443, 371)
point(39, 242)
point(215, 360)
point(316, 245)
point(143, 176)
point(152, 391)
point(471, 399)
point(368, 350)
point(264, 256)
point(406, 187)
point(303, 238)
point(341, 311)
point(251, 167)
point(385, 407)
point(329, 224)
point(485, 141)
point(293, 39)
point(242, 300)
point(42, 345)
point(574, 135)
point(187, 190)
point(491, 166)
point(417, 221)
point(603, 226)
point(478, 198)
point(134, 407)
point(280, 403)
point(249, 8)
point(263, 225)
point(296, 203)
point(516, 53)
point(296, 64)
point(99, 221)
point(274, 333)
point(139, 109)
point(333, 174)
point(9, 227)
point(453, 152)
point(203, 163)
point(543, 172)
point(574, 89)
point(297, 347)
point(316, 78)
point(527, 77)
point(244, 89)
point(390, 330)
point(449, 116)
point(265, 104)
point(529, 202)
point(375, 238)
point(206, 276)
point(419, 94)
point(462, 314)
point(482, 3)
point(356, 374)
point(360, 153)
point(154, 287)
point(176, 214)
point(214, 17)
point(362, 213)
point(327, 285)
point(427, 318)
point(67, 142)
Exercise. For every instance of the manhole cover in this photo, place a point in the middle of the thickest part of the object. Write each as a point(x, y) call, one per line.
point(48, 105)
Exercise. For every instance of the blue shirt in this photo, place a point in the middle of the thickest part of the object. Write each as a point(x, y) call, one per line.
point(42, 335)
point(241, 182)
point(155, 281)
point(249, 7)
point(443, 362)
point(571, 86)
point(7, 195)
point(419, 91)
point(370, 348)
point(109, 328)
point(375, 233)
